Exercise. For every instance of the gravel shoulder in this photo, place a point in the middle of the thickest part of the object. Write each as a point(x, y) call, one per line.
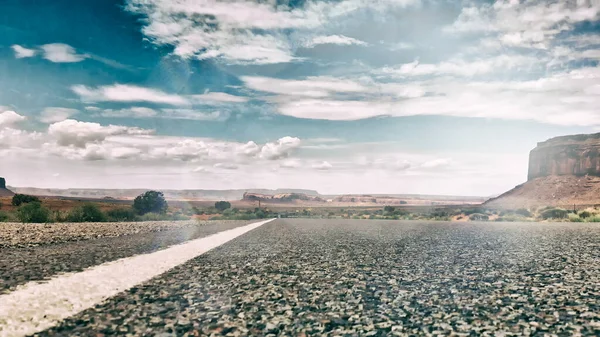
point(370, 278)
point(14, 234)
point(23, 263)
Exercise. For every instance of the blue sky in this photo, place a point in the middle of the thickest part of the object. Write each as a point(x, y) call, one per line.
point(348, 96)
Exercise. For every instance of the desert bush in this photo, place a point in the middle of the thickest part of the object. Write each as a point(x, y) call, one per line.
point(585, 214)
point(33, 212)
point(19, 199)
point(524, 212)
point(470, 211)
point(389, 209)
point(511, 218)
point(86, 213)
point(150, 201)
point(260, 214)
point(121, 214)
point(478, 217)
point(574, 218)
point(594, 218)
point(553, 213)
point(222, 205)
point(60, 216)
point(4, 216)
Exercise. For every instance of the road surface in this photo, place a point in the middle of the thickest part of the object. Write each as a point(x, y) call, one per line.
point(307, 277)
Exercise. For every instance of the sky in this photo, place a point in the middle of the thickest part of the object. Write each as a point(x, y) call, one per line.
point(345, 96)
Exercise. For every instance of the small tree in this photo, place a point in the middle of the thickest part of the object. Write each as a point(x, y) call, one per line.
point(33, 212)
point(19, 199)
point(389, 209)
point(86, 213)
point(121, 214)
point(150, 201)
point(222, 205)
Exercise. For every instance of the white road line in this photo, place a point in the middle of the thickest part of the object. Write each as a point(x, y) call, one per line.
point(35, 306)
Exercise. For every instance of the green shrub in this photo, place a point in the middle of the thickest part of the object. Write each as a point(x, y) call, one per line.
point(150, 201)
point(389, 209)
point(511, 218)
point(4, 216)
point(222, 205)
point(471, 211)
point(60, 216)
point(594, 218)
point(86, 213)
point(33, 212)
point(121, 214)
point(19, 199)
point(478, 217)
point(524, 212)
point(152, 217)
point(575, 218)
point(161, 217)
point(260, 214)
point(585, 214)
point(553, 213)
point(228, 212)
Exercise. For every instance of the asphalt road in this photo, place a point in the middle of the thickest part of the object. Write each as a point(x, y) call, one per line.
point(369, 278)
point(22, 264)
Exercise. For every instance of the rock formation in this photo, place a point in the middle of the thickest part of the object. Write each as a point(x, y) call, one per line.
point(282, 197)
point(3, 191)
point(563, 171)
point(576, 155)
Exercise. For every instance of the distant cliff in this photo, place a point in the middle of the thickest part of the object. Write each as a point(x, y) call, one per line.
point(563, 171)
point(576, 155)
point(281, 197)
point(3, 191)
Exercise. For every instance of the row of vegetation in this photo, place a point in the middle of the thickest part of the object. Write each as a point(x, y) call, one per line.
point(476, 214)
point(149, 206)
point(152, 206)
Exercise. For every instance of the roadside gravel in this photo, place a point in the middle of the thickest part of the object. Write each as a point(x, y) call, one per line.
point(30, 235)
point(370, 278)
point(20, 265)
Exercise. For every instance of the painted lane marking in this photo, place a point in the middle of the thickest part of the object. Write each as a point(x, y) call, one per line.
point(35, 306)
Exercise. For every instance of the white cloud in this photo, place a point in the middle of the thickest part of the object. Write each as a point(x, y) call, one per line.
point(226, 166)
point(228, 30)
point(280, 149)
point(194, 114)
point(127, 93)
point(334, 39)
point(13, 137)
point(290, 164)
point(465, 68)
point(212, 97)
point(249, 149)
point(321, 86)
point(324, 165)
point(563, 98)
point(144, 112)
point(61, 53)
point(56, 114)
point(436, 163)
point(22, 52)
point(134, 112)
point(9, 118)
point(526, 24)
point(80, 134)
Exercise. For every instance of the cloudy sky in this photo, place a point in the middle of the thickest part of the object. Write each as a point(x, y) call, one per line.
point(341, 96)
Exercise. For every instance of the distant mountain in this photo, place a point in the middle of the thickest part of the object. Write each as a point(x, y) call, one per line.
point(4, 192)
point(563, 171)
point(169, 194)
